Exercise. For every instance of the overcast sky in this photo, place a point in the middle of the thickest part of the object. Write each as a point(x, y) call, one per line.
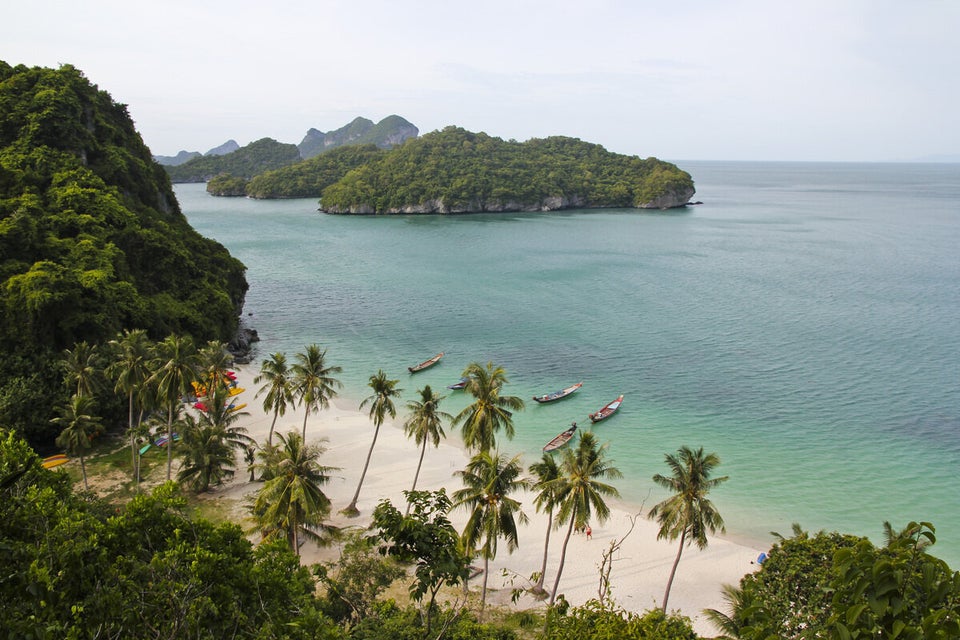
point(873, 80)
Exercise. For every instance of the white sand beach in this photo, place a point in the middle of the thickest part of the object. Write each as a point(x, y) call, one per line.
point(641, 567)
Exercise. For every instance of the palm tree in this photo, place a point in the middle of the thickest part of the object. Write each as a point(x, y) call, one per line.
point(489, 411)
point(313, 381)
point(278, 387)
point(213, 363)
point(209, 444)
point(81, 367)
point(208, 459)
point(79, 427)
point(579, 491)
point(130, 369)
point(176, 370)
point(425, 424)
point(546, 471)
point(381, 405)
point(488, 480)
point(291, 501)
point(688, 514)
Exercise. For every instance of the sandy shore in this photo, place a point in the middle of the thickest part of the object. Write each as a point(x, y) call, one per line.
point(641, 567)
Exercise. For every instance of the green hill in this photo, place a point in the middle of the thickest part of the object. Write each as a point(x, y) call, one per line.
point(309, 178)
point(456, 171)
point(263, 155)
point(92, 239)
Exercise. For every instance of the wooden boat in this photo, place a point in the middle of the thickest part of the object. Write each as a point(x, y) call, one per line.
point(426, 363)
point(557, 395)
point(561, 439)
point(607, 411)
point(460, 384)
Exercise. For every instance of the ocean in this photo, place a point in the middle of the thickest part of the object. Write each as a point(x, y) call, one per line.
point(803, 322)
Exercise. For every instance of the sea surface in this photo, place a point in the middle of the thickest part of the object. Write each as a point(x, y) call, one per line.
point(803, 323)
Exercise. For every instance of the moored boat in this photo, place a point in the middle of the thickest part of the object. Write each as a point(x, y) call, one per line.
point(460, 384)
point(606, 411)
point(560, 439)
point(426, 363)
point(557, 395)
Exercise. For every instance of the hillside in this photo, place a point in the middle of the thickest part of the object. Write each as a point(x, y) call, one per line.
point(457, 171)
point(309, 178)
point(92, 240)
point(259, 156)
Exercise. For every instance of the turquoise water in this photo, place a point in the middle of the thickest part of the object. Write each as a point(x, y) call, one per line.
point(803, 323)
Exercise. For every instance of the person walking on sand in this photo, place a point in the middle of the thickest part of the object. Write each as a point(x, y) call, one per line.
point(589, 533)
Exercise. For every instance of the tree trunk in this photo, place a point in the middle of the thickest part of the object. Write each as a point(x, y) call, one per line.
point(673, 571)
point(352, 507)
point(169, 441)
point(483, 592)
point(305, 416)
point(416, 476)
point(563, 556)
point(273, 423)
point(546, 545)
point(133, 440)
point(83, 470)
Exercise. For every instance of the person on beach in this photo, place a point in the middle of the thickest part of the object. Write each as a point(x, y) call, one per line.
point(589, 533)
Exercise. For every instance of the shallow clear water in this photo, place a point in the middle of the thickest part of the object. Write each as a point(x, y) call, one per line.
point(803, 323)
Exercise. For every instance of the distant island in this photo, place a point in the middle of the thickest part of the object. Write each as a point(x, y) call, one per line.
point(449, 171)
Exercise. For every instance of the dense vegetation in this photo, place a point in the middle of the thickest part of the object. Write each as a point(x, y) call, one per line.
point(309, 178)
point(455, 170)
point(259, 156)
point(92, 240)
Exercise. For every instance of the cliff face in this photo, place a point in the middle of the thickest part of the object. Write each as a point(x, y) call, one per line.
point(387, 133)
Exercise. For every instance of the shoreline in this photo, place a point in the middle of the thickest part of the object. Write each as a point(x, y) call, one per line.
point(640, 567)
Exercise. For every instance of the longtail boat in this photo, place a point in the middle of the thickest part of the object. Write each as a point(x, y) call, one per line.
point(459, 384)
point(557, 395)
point(561, 439)
point(426, 363)
point(607, 411)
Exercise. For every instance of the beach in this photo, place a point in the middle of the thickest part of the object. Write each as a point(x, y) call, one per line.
point(641, 565)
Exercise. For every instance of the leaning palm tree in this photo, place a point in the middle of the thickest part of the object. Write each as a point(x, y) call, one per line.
point(546, 471)
point(688, 514)
point(313, 381)
point(176, 370)
point(132, 354)
point(489, 412)
point(579, 492)
point(278, 388)
point(81, 368)
point(425, 423)
point(488, 480)
point(291, 501)
point(79, 427)
point(381, 405)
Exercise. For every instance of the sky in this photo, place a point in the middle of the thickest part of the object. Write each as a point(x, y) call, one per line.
point(808, 80)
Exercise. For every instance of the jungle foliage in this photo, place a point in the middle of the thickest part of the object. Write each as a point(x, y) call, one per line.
point(309, 178)
point(92, 240)
point(456, 170)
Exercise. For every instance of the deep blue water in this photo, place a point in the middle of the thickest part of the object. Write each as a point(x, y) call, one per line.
point(803, 323)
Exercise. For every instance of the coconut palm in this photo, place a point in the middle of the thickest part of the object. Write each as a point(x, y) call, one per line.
point(209, 444)
point(206, 455)
point(79, 427)
point(132, 353)
point(490, 412)
point(425, 423)
point(278, 388)
point(177, 358)
point(688, 514)
point(546, 471)
point(291, 502)
point(81, 368)
point(213, 363)
point(313, 381)
point(579, 492)
point(381, 405)
point(488, 480)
